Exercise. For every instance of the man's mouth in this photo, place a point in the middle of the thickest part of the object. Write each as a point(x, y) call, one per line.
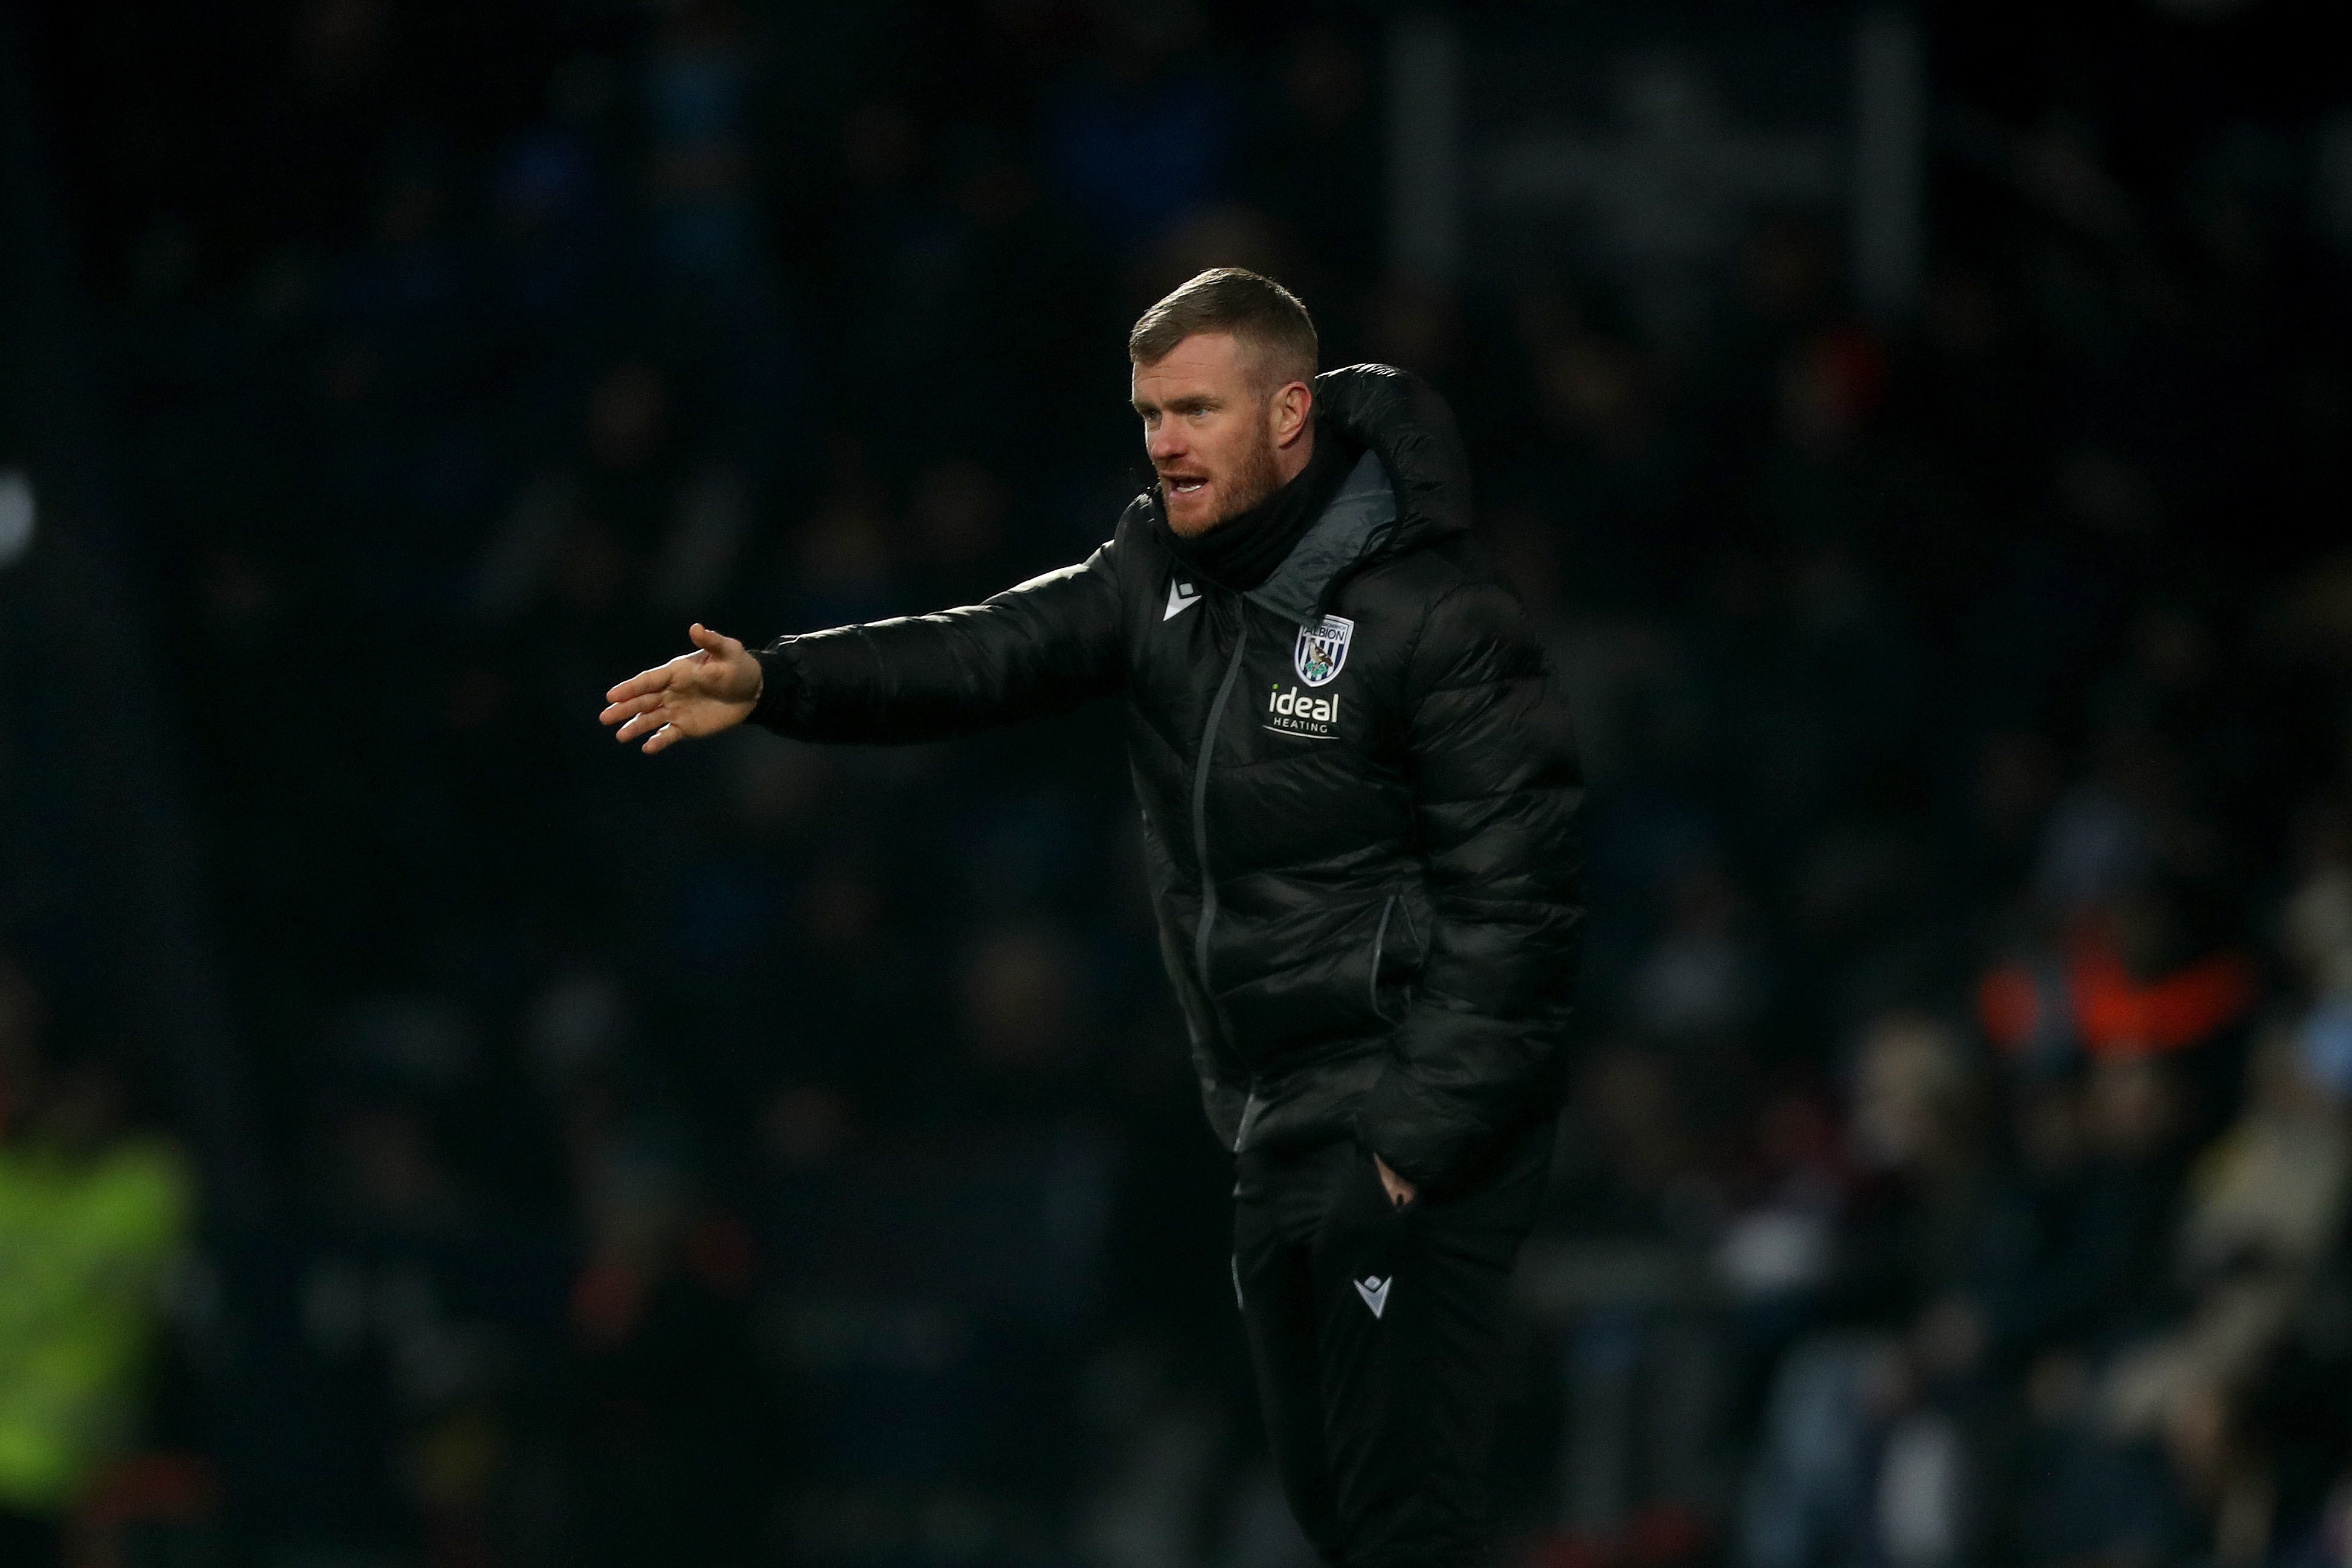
point(1183, 484)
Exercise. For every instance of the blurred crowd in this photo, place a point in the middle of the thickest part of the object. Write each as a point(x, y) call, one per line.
point(763, 1153)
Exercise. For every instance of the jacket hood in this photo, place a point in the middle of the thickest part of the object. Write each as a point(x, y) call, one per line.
point(1411, 484)
point(1401, 417)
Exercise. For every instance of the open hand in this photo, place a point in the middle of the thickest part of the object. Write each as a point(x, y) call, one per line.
point(701, 693)
point(1400, 1191)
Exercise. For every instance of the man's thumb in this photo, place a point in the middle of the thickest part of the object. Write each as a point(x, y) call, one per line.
point(705, 639)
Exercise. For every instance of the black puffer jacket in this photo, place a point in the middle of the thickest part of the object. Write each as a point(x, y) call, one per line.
point(1358, 787)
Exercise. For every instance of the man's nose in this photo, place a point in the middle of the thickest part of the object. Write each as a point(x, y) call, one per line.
point(1165, 444)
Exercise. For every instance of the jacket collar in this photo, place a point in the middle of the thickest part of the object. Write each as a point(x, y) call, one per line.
point(1411, 484)
point(1352, 526)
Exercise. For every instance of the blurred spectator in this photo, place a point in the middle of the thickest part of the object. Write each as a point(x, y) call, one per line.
point(94, 1216)
point(661, 1412)
point(1702, 980)
point(1622, 1261)
point(2265, 1204)
point(1862, 1458)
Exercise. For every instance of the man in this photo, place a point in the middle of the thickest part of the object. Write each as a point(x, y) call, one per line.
point(1359, 797)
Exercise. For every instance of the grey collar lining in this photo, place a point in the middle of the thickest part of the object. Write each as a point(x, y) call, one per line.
point(1350, 528)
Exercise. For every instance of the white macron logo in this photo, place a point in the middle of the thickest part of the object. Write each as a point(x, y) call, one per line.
point(1182, 596)
point(1375, 1292)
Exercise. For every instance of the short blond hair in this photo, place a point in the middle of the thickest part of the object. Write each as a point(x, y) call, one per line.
point(1260, 315)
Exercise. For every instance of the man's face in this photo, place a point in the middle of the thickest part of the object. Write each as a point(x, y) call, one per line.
point(1212, 431)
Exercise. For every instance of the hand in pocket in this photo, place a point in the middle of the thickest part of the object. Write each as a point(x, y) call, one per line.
point(1400, 1191)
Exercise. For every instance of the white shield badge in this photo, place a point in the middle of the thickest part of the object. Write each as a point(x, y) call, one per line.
point(1323, 649)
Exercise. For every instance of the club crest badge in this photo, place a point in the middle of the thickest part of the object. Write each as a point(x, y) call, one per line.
point(1323, 649)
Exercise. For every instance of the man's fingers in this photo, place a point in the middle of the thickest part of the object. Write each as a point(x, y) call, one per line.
point(634, 706)
point(640, 684)
point(660, 738)
point(718, 644)
point(640, 722)
point(628, 708)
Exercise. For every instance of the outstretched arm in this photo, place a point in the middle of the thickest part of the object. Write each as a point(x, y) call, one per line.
point(1049, 644)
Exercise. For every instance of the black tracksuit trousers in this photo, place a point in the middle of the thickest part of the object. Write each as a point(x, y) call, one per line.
point(1374, 1329)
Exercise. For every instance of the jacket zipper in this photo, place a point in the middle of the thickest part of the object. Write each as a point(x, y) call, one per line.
point(1201, 815)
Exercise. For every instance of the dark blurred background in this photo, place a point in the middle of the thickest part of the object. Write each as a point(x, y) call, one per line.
point(434, 1137)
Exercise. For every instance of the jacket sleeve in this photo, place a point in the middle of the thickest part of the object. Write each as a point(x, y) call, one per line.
point(1481, 1052)
point(1047, 644)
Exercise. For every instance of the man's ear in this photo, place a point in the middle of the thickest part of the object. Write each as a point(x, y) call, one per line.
point(1294, 401)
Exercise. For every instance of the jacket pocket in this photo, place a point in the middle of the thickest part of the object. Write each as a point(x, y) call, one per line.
point(1396, 959)
point(1335, 976)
